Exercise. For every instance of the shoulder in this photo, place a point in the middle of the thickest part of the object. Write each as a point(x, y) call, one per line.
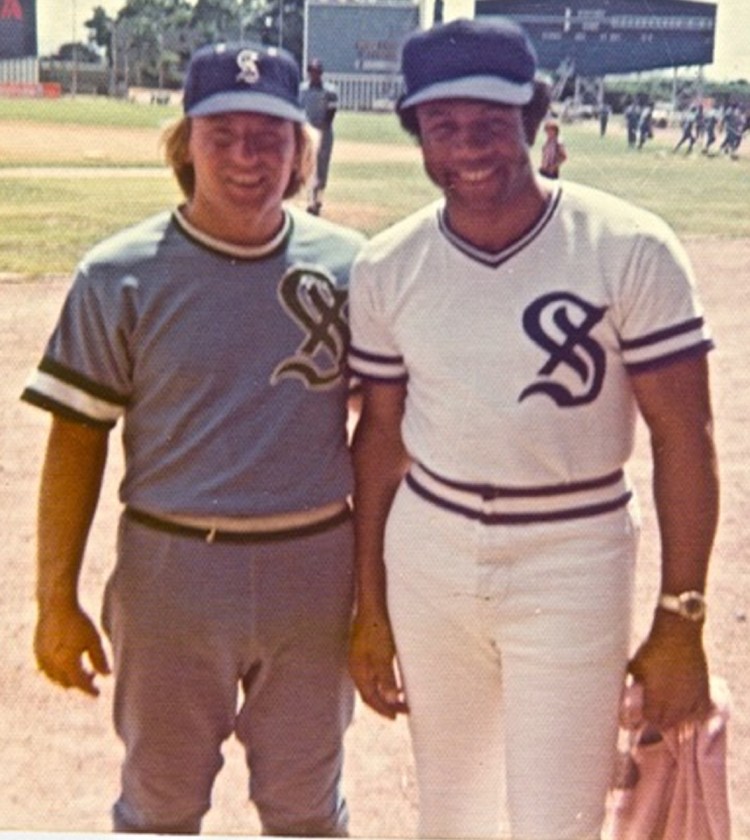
point(316, 227)
point(403, 238)
point(319, 240)
point(614, 214)
point(131, 245)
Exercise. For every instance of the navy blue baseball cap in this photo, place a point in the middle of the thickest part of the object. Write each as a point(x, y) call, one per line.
point(243, 77)
point(490, 60)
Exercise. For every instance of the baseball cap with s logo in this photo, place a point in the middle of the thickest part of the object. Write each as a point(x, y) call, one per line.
point(243, 77)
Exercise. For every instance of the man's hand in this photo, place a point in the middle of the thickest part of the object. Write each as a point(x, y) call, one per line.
point(371, 663)
point(671, 666)
point(63, 636)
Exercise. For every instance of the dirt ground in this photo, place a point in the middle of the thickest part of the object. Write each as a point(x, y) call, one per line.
point(53, 143)
point(60, 757)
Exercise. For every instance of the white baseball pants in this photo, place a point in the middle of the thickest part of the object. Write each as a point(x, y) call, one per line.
point(512, 642)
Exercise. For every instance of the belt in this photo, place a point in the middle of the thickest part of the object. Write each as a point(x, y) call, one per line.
point(210, 533)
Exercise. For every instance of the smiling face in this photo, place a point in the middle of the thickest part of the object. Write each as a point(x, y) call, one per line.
point(476, 152)
point(243, 164)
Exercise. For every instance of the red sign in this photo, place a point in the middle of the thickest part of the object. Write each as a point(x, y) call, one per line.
point(43, 90)
point(11, 10)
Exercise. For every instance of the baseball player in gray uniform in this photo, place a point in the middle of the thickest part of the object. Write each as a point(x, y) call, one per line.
point(320, 101)
point(216, 334)
point(507, 337)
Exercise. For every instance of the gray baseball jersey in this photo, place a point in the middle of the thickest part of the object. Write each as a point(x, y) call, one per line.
point(227, 364)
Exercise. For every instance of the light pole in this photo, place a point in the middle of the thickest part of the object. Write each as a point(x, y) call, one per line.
point(74, 45)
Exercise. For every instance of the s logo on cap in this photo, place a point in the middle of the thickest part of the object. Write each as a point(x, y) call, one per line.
point(247, 61)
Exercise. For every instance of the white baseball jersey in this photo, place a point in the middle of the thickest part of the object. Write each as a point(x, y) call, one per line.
point(226, 364)
point(517, 362)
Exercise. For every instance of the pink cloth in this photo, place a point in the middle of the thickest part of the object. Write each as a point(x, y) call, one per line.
point(676, 787)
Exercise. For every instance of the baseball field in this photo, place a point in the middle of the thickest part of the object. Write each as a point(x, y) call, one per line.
point(73, 171)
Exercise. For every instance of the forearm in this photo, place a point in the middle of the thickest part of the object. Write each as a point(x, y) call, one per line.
point(380, 462)
point(686, 495)
point(69, 492)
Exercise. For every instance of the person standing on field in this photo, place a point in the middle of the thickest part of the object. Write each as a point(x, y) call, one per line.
point(216, 333)
point(507, 336)
point(320, 101)
point(554, 153)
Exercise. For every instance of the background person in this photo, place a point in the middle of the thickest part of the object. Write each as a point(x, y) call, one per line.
point(320, 101)
point(632, 120)
point(216, 333)
point(689, 131)
point(507, 336)
point(554, 153)
point(646, 125)
point(604, 111)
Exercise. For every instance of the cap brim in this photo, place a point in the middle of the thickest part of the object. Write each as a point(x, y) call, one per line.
point(247, 102)
point(488, 88)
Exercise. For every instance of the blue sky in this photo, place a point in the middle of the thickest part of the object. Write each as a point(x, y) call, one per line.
point(57, 20)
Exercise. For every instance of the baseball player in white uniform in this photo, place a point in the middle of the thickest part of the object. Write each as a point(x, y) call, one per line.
point(216, 334)
point(507, 337)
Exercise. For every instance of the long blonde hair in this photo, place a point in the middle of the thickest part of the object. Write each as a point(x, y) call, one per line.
point(175, 140)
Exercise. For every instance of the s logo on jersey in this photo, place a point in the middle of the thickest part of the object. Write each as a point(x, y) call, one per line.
point(561, 324)
point(310, 296)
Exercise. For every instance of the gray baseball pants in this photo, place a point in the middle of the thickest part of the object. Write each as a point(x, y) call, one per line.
point(211, 640)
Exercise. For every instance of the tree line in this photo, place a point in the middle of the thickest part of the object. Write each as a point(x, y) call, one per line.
point(148, 42)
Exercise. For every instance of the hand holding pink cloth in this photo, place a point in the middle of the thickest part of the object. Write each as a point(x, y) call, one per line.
point(674, 783)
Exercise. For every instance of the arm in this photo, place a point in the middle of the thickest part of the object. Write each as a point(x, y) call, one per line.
point(70, 486)
point(380, 462)
point(671, 663)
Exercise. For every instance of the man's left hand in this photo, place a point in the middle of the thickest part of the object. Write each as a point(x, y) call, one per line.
point(671, 666)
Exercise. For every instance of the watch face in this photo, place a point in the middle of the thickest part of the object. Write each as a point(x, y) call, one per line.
point(694, 607)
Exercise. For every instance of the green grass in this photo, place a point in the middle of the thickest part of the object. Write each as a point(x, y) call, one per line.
point(87, 110)
point(697, 195)
point(47, 223)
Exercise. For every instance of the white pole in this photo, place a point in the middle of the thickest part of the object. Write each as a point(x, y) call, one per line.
point(74, 80)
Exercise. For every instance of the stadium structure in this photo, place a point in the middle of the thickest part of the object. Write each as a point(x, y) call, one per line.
point(581, 41)
point(359, 41)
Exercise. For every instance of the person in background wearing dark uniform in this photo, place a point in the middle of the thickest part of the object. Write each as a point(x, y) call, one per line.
point(320, 101)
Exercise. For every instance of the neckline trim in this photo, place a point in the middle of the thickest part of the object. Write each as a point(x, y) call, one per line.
point(230, 249)
point(494, 259)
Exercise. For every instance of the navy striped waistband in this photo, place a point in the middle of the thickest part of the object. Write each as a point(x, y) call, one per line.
point(498, 505)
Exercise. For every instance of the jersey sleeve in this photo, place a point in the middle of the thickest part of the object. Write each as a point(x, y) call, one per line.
point(85, 372)
point(661, 318)
point(374, 354)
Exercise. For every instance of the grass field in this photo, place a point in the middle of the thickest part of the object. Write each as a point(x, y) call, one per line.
point(47, 222)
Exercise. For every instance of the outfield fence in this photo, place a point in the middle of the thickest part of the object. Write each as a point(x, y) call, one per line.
point(19, 71)
point(366, 92)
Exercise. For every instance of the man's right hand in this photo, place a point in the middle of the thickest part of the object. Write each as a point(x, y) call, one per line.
point(64, 635)
point(372, 666)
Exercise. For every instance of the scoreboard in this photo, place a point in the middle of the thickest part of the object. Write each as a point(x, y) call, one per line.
point(595, 37)
point(17, 28)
